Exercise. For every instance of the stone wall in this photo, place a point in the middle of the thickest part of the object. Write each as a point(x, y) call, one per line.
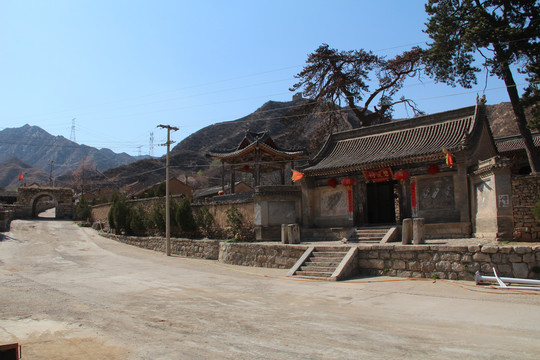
point(203, 249)
point(420, 261)
point(5, 219)
point(245, 254)
point(261, 255)
point(525, 193)
point(449, 262)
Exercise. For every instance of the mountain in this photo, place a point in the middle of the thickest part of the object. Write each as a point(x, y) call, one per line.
point(189, 157)
point(37, 148)
point(11, 170)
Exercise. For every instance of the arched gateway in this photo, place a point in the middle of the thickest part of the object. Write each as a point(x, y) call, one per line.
point(30, 198)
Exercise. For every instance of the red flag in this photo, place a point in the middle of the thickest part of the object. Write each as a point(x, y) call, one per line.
point(20, 176)
point(297, 176)
point(449, 159)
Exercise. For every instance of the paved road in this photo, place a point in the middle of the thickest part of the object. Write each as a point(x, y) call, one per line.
point(67, 293)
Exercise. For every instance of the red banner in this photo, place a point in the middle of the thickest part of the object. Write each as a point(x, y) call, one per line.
point(349, 194)
point(378, 175)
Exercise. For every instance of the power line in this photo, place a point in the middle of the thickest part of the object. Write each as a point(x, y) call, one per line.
point(72, 136)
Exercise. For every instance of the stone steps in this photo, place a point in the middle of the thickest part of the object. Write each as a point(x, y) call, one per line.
point(368, 235)
point(321, 264)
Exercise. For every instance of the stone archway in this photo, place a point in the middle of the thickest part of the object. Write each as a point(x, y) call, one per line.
point(43, 202)
point(29, 198)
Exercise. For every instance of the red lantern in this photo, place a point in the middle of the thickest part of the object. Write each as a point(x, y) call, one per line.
point(332, 182)
point(401, 175)
point(245, 167)
point(433, 169)
point(348, 181)
point(220, 192)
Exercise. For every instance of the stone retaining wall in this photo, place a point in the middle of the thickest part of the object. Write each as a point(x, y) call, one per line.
point(449, 262)
point(203, 249)
point(422, 261)
point(261, 255)
point(246, 254)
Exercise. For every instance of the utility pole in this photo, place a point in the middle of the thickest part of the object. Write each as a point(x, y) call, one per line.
point(167, 195)
point(50, 174)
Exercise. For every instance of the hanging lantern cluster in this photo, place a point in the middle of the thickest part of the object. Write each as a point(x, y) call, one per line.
point(433, 169)
point(332, 182)
point(347, 181)
point(402, 175)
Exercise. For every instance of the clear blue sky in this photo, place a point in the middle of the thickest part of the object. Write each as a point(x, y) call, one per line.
point(122, 67)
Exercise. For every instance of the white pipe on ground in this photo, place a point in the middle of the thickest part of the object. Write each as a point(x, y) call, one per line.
point(479, 278)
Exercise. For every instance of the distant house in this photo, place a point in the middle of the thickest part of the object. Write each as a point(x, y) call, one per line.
point(176, 187)
point(239, 187)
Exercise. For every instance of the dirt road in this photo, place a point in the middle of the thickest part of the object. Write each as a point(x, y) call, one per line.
point(67, 293)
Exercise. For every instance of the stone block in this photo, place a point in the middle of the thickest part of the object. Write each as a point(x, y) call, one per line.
point(490, 249)
point(404, 274)
point(520, 270)
point(513, 258)
point(486, 268)
point(443, 266)
point(458, 267)
point(466, 258)
point(427, 267)
point(451, 257)
point(372, 264)
point(413, 265)
point(520, 250)
point(424, 256)
point(506, 249)
point(473, 248)
point(453, 276)
point(481, 257)
point(399, 265)
point(529, 258)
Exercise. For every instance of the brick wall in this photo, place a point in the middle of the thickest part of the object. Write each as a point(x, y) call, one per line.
point(525, 193)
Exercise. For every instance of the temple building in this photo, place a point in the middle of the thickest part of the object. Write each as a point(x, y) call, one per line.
point(441, 167)
point(256, 154)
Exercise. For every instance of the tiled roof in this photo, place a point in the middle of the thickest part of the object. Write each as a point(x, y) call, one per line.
point(514, 143)
point(397, 142)
point(257, 143)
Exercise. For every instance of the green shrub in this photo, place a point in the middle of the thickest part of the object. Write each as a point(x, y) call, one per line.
point(205, 220)
point(184, 216)
point(157, 216)
point(536, 210)
point(119, 214)
point(84, 211)
point(137, 221)
point(234, 220)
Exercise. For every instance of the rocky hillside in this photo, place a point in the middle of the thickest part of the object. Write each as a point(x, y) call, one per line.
point(37, 148)
point(189, 157)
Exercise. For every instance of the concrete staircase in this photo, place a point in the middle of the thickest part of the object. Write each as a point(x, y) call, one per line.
point(369, 235)
point(320, 263)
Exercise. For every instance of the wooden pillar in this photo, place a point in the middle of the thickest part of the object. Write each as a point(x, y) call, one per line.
point(232, 179)
point(257, 167)
point(282, 173)
point(222, 175)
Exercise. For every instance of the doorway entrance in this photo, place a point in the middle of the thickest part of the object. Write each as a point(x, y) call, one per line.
point(380, 203)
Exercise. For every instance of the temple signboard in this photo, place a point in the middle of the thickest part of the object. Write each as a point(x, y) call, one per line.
point(378, 175)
